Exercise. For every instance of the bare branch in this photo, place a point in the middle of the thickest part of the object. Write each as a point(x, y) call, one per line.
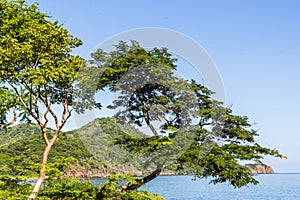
point(146, 114)
point(24, 104)
point(74, 106)
point(45, 137)
point(44, 127)
point(30, 97)
point(50, 110)
point(67, 111)
point(36, 104)
point(65, 106)
point(37, 59)
point(129, 186)
point(14, 118)
point(66, 119)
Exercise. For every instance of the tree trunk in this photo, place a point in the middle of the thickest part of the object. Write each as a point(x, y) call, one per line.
point(145, 180)
point(42, 176)
point(146, 114)
point(152, 128)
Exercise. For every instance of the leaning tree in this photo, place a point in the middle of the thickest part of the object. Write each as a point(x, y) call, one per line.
point(38, 73)
point(194, 133)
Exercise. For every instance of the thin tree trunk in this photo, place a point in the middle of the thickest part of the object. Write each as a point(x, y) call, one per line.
point(151, 127)
point(146, 117)
point(146, 114)
point(146, 179)
point(42, 176)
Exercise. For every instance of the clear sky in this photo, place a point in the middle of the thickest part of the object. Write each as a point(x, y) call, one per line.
point(254, 44)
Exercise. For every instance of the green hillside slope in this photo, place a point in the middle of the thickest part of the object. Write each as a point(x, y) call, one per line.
point(86, 152)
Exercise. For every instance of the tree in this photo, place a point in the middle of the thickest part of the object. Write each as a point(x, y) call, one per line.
point(38, 72)
point(148, 91)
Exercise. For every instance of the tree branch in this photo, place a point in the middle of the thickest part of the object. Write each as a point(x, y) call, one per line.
point(65, 106)
point(14, 118)
point(49, 108)
point(146, 114)
point(36, 104)
point(24, 104)
point(128, 186)
point(12, 121)
point(44, 127)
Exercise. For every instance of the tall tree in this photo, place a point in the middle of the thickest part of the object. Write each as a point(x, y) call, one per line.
point(37, 72)
point(214, 146)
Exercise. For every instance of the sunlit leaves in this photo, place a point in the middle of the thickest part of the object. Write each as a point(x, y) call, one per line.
point(34, 51)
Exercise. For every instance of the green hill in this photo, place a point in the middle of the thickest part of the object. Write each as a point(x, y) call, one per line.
point(86, 152)
point(18, 132)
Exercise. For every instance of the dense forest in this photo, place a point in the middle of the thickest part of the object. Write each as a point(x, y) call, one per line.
point(86, 152)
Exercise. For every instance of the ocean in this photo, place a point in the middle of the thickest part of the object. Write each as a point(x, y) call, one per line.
point(271, 187)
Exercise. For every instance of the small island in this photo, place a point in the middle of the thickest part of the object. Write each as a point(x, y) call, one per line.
point(260, 169)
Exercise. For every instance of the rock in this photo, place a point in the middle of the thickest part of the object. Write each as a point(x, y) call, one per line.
point(260, 169)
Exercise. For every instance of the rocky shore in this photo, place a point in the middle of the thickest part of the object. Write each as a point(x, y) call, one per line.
point(260, 169)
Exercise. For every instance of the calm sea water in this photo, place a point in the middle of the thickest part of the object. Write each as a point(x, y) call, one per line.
point(272, 186)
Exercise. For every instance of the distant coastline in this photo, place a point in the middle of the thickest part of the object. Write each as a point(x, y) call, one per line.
point(83, 173)
point(260, 169)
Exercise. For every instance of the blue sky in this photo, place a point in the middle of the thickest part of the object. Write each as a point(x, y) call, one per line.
point(254, 44)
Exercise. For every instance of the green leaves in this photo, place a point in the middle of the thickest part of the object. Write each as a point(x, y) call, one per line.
point(34, 51)
point(149, 91)
point(143, 145)
point(12, 188)
point(111, 189)
point(7, 102)
point(117, 63)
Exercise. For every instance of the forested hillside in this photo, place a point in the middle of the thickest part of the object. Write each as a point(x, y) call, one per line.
point(86, 152)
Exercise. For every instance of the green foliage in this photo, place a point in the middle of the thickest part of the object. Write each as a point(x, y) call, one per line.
point(111, 190)
point(20, 150)
point(148, 89)
point(216, 144)
point(8, 101)
point(70, 189)
point(25, 152)
point(234, 142)
point(12, 188)
point(34, 49)
point(142, 145)
point(15, 133)
point(35, 59)
point(220, 161)
point(125, 57)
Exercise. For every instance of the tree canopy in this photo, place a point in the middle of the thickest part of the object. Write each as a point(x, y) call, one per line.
point(149, 91)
